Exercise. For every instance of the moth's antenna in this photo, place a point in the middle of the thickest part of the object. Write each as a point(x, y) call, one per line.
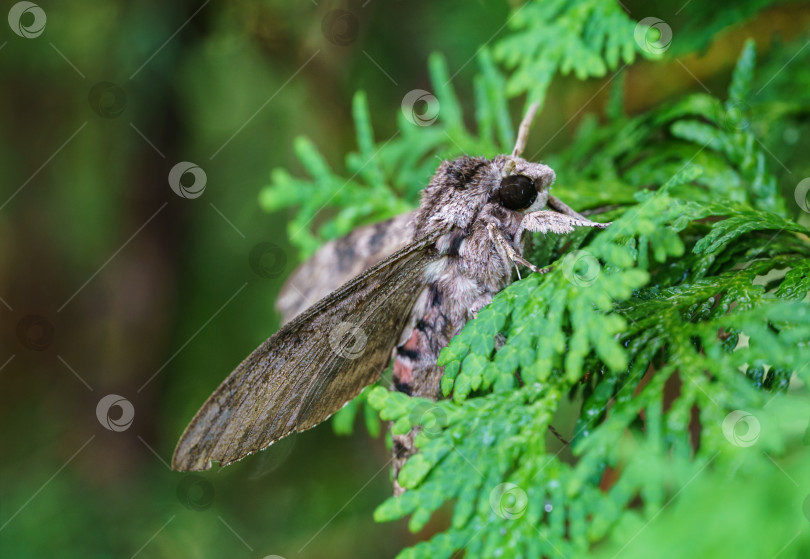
point(523, 131)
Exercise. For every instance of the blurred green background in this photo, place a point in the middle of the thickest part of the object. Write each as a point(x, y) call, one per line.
point(112, 284)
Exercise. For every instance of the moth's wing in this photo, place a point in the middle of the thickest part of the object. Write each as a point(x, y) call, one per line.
point(340, 260)
point(308, 370)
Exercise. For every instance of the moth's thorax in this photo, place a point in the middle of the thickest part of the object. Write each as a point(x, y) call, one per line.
point(460, 203)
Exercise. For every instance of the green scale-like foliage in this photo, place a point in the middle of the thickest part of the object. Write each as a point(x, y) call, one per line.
point(637, 346)
point(586, 37)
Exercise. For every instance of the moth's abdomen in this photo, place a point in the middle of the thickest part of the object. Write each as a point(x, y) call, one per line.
point(415, 370)
point(468, 272)
point(460, 283)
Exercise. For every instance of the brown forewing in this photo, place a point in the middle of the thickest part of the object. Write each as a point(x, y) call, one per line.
point(299, 377)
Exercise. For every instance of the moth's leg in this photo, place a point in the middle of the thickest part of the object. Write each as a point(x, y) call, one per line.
point(500, 241)
point(557, 434)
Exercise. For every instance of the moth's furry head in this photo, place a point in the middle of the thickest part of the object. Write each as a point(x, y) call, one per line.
point(512, 167)
point(463, 187)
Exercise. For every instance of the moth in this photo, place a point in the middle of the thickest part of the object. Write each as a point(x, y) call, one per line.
point(400, 290)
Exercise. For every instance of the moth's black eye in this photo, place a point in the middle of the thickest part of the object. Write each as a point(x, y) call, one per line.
point(516, 192)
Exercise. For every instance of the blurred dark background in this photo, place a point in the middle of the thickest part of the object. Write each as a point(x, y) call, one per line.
point(113, 284)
